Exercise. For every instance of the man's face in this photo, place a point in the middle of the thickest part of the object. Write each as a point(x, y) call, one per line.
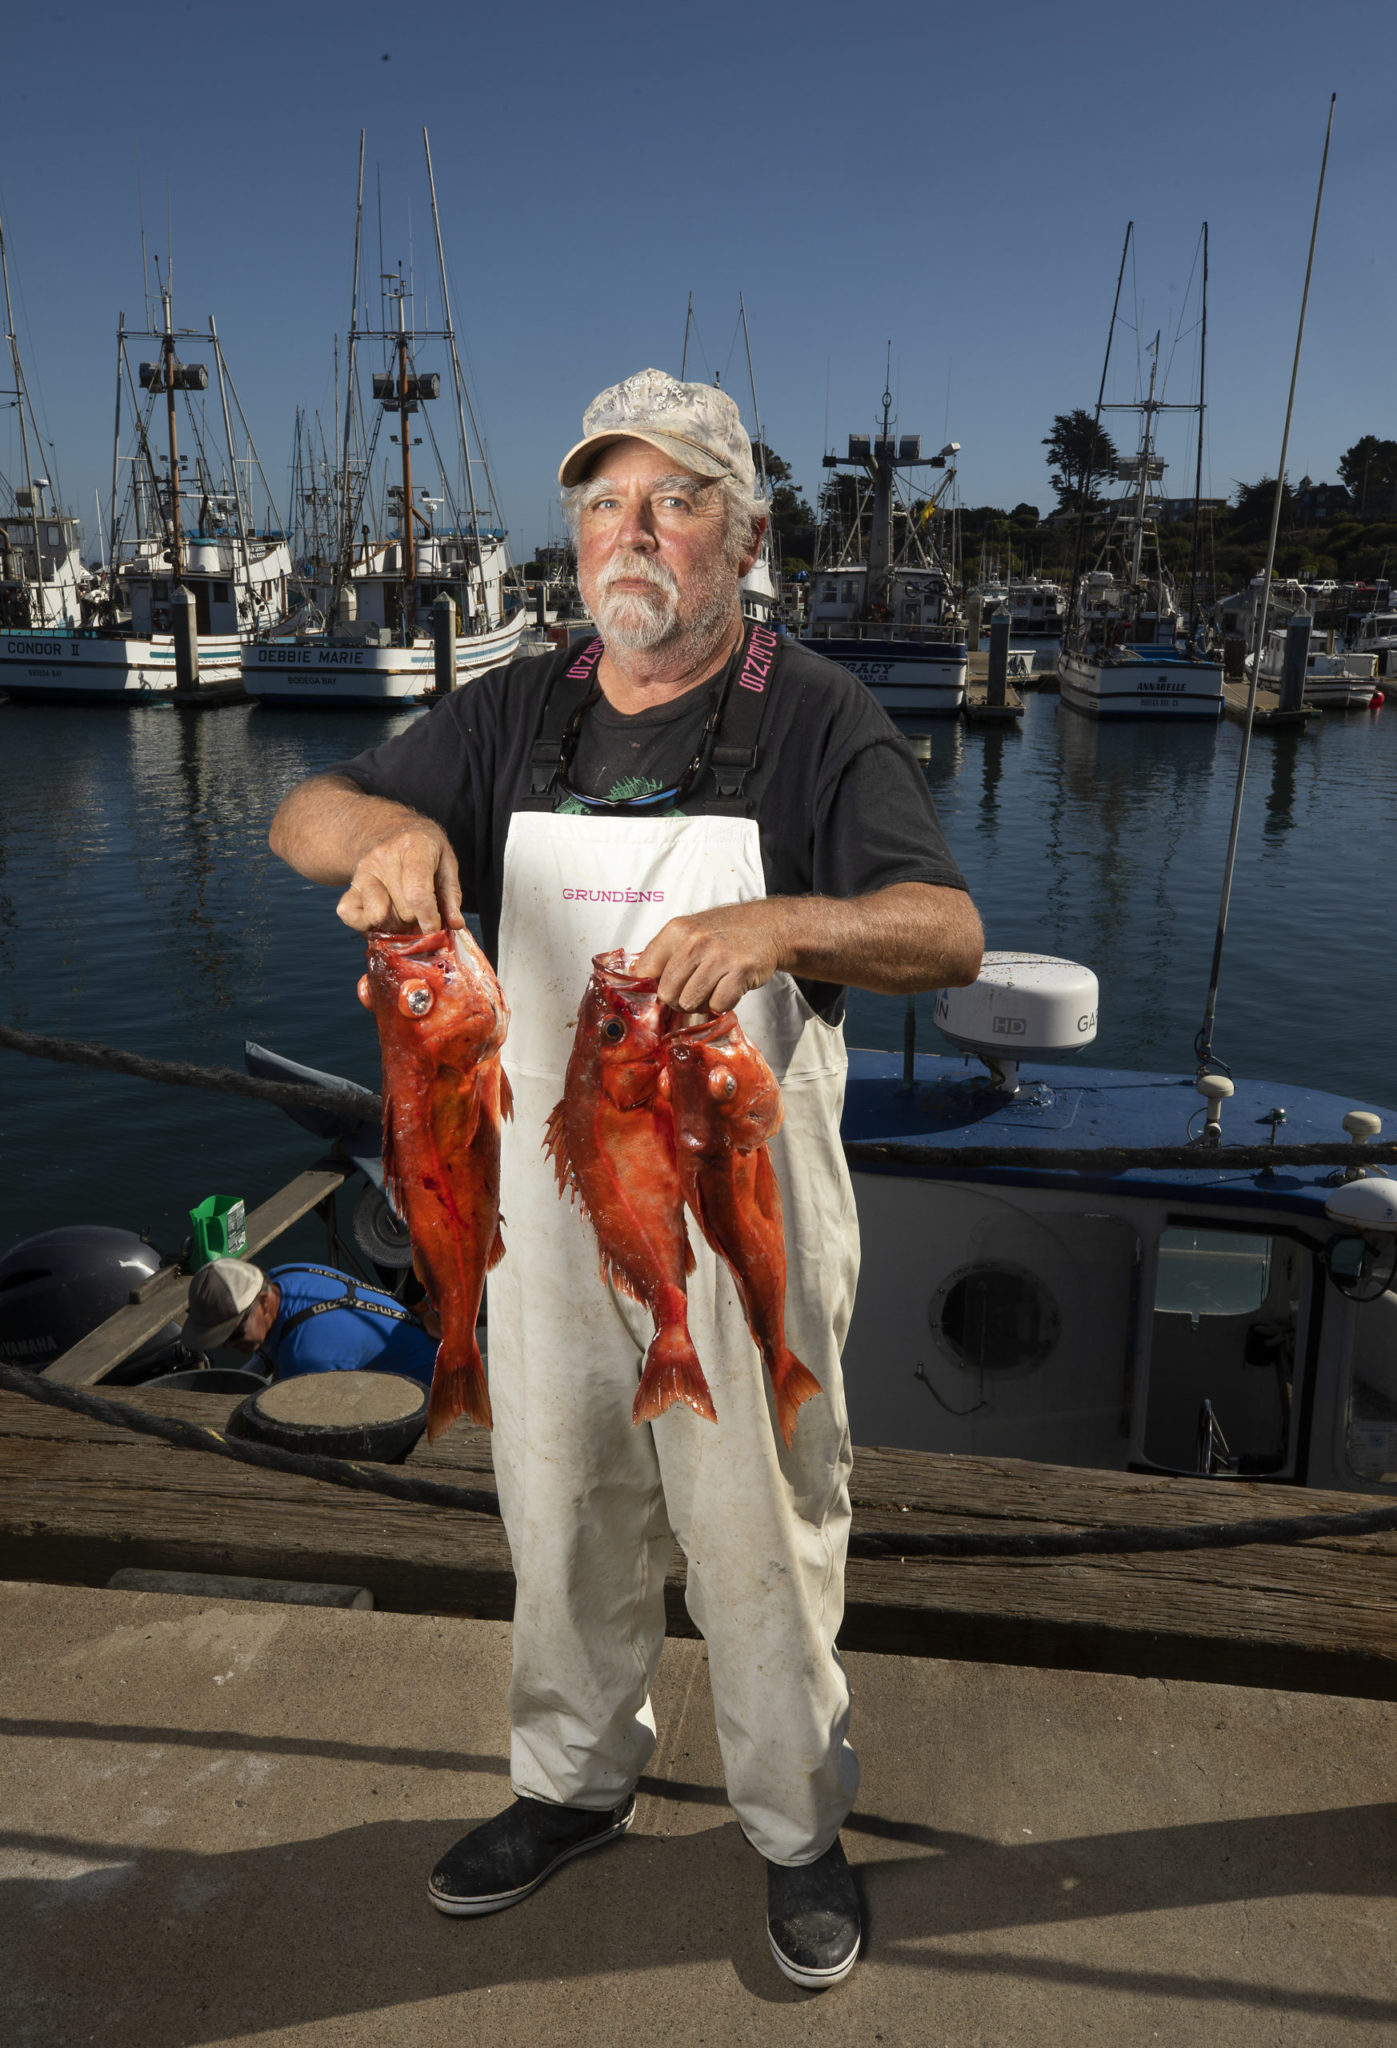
point(653, 559)
point(257, 1322)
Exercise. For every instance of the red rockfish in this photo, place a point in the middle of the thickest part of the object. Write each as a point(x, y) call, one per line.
point(441, 1020)
point(726, 1105)
point(611, 1140)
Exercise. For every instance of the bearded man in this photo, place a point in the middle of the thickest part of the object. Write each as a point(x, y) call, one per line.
point(742, 815)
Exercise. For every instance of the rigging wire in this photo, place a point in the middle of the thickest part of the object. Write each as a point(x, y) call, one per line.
point(1203, 1043)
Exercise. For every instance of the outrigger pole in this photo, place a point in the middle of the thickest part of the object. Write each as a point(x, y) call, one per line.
point(21, 400)
point(463, 404)
point(345, 549)
point(1198, 469)
point(1087, 473)
point(1203, 1044)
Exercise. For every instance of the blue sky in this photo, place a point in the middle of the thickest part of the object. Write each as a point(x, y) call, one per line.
point(956, 180)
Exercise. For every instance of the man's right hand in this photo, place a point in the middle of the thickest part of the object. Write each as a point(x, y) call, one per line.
point(409, 879)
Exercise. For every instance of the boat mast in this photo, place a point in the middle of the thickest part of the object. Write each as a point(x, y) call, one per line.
point(752, 383)
point(344, 550)
point(1198, 468)
point(462, 401)
point(1088, 475)
point(880, 532)
point(233, 460)
point(1142, 486)
point(116, 460)
point(168, 351)
point(405, 407)
point(21, 400)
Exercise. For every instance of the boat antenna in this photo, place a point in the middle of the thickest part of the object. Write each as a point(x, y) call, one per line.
point(752, 382)
point(1198, 468)
point(1087, 472)
point(688, 323)
point(1203, 1044)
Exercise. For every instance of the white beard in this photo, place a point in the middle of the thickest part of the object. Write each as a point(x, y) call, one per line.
point(639, 622)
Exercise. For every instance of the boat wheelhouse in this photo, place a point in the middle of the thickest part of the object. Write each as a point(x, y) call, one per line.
point(1037, 610)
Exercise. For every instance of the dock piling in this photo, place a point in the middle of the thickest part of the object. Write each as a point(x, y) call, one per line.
point(1297, 649)
point(444, 643)
point(997, 689)
point(184, 625)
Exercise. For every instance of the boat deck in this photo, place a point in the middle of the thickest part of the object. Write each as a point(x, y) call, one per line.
point(80, 1501)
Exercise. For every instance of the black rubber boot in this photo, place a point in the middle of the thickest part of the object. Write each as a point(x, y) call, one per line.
point(506, 1858)
point(812, 1919)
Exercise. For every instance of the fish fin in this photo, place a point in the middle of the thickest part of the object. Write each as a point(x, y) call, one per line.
point(458, 1388)
point(791, 1383)
point(496, 1249)
point(555, 1144)
point(693, 1195)
point(767, 1189)
point(688, 1248)
point(506, 1096)
point(613, 1274)
point(672, 1373)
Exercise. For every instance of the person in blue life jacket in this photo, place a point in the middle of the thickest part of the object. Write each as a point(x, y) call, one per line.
point(306, 1319)
point(695, 789)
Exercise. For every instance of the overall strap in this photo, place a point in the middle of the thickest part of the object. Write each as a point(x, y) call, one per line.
point(570, 685)
point(350, 1299)
point(735, 748)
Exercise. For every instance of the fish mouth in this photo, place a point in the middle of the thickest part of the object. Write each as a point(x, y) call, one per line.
point(614, 968)
point(409, 945)
point(710, 1031)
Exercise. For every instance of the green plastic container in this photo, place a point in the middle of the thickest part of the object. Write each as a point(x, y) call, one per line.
point(219, 1228)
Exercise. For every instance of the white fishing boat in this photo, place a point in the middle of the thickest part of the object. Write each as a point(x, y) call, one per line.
point(171, 529)
point(371, 637)
point(1037, 610)
point(1126, 652)
point(1334, 680)
point(1377, 634)
point(881, 603)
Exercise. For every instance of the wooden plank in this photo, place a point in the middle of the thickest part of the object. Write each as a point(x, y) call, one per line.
point(79, 1501)
point(165, 1296)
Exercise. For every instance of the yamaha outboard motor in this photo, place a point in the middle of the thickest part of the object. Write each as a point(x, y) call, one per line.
point(56, 1287)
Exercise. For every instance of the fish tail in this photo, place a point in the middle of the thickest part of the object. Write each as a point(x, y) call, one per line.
point(458, 1388)
point(791, 1383)
point(672, 1373)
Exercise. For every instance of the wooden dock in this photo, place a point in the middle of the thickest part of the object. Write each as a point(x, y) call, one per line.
point(79, 1501)
point(1268, 712)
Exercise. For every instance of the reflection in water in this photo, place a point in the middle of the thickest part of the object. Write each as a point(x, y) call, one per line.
point(139, 905)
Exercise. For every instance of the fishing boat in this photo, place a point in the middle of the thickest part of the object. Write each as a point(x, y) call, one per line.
point(1037, 610)
point(1126, 650)
point(1334, 679)
point(371, 636)
point(42, 578)
point(1376, 633)
point(880, 596)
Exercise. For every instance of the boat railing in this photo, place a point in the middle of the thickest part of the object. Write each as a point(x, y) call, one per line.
point(882, 629)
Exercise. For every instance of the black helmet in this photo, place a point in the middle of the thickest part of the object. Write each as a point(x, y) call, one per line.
point(56, 1287)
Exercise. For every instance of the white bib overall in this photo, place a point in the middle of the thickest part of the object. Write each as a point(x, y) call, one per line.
point(589, 1500)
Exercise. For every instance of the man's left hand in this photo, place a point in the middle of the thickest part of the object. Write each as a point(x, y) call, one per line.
point(710, 960)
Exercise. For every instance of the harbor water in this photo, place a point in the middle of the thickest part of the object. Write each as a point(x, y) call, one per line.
point(140, 907)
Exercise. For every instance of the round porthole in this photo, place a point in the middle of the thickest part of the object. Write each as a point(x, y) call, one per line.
point(995, 1318)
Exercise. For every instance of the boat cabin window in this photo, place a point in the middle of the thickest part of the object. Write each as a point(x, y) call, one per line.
point(829, 591)
point(53, 536)
point(160, 591)
point(1211, 1273)
point(219, 592)
point(1223, 1341)
point(848, 593)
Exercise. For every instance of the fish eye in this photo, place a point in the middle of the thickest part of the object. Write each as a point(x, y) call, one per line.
point(415, 999)
point(614, 1030)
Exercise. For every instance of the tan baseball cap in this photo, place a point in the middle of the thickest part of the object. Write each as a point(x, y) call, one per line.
point(697, 424)
point(220, 1295)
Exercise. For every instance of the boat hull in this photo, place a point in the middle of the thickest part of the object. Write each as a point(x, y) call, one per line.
point(314, 671)
point(904, 675)
point(76, 667)
point(1145, 688)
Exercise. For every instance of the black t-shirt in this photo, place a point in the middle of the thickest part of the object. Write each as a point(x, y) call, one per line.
point(841, 806)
